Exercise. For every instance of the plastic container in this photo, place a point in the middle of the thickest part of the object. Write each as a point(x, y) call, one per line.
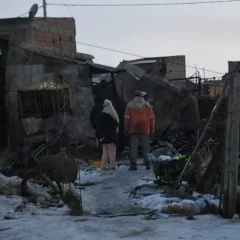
point(96, 163)
point(203, 204)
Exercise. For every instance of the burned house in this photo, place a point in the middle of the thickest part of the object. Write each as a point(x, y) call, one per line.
point(170, 67)
point(151, 76)
point(43, 85)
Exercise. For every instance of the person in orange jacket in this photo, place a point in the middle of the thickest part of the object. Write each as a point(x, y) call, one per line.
point(139, 123)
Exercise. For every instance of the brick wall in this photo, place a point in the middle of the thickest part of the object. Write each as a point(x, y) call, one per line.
point(215, 89)
point(58, 33)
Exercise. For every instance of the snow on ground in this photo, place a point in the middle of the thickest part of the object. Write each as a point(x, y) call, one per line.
point(157, 201)
point(110, 194)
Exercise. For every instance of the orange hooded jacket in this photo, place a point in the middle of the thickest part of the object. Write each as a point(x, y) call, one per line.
point(139, 118)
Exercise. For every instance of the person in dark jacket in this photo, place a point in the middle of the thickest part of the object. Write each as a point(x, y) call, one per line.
point(189, 111)
point(94, 115)
point(107, 130)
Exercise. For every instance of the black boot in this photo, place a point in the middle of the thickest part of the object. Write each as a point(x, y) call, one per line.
point(133, 167)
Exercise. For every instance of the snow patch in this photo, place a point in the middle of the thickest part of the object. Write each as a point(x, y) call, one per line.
point(157, 201)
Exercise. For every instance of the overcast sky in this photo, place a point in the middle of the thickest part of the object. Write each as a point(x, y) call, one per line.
point(208, 35)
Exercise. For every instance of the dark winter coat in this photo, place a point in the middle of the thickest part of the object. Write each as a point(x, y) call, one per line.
point(189, 111)
point(106, 129)
point(94, 115)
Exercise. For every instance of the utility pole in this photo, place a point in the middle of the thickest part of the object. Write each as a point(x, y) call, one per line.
point(44, 8)
point(231, 149)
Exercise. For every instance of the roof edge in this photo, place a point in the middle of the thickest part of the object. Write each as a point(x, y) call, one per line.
point(154, 58)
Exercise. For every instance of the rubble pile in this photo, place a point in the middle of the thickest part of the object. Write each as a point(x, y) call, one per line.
point(44, 196)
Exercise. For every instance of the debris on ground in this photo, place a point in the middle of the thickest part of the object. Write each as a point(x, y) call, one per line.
point(4, 229)
point(117, 213)
point(12, 186)
point(156, 215)
point(182, 192)
point(40, 195)
point(190, 218)
point(170, 156)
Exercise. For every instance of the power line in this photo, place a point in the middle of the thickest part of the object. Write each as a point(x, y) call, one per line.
point(143, 4)
point(28, 12)
point(131, 5)
point(110, 49)
point(135, 55)
point(69, 10)
point(23, 14)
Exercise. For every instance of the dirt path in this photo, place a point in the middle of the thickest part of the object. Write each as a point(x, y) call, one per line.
point(111, 194)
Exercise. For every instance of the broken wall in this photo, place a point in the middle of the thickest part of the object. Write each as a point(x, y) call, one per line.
point(176, 66)
point(28, 76)
point(163, 95)
point(23, 81)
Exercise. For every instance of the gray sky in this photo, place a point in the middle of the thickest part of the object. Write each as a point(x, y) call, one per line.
point(208, 34)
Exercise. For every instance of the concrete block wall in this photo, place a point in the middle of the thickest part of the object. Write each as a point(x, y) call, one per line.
point(25, 73)
point(178, 66)
point(81, 100)
point(82, 103)
point(30, 77)
point(16, 29)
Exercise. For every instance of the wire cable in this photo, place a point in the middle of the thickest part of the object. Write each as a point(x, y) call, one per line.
point(122, 5)
point(27, 12)
point(135, 55)
point(110, 49)
point(143, 4)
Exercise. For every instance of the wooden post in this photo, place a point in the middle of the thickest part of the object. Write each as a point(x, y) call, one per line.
point(222, 201)
point(232, 149)
point(226, 155)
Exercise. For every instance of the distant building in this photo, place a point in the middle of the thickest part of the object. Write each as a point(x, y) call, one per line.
point(175, 66)
point(171, 69)
point(211, 88)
